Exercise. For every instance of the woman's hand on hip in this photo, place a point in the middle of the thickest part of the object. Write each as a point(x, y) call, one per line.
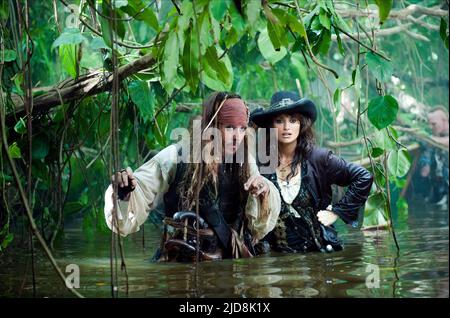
point(327, 217)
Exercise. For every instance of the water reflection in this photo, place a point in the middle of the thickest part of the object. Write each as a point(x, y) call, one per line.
point(420, 270)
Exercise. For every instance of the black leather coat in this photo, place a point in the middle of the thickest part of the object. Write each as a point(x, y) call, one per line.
point(325, 169)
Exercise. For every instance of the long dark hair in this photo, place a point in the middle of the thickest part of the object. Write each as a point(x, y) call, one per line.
point(305, 143)
point(193, 175)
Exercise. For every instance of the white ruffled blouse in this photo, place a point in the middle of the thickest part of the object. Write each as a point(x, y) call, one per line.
point(289, 191)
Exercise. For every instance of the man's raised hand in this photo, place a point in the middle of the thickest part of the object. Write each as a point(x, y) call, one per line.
point(126, 183)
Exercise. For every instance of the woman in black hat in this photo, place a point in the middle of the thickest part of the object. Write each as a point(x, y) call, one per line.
point(304, 176)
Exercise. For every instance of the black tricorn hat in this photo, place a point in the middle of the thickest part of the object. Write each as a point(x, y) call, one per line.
point(284, 102)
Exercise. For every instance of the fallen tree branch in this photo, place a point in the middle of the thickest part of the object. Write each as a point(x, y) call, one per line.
point(378, 33)
point(365, 162)
point(86, 85)
point(416, 132)
point(401, 14)
point(423, 23)
point(421, 136)
point(417, 36)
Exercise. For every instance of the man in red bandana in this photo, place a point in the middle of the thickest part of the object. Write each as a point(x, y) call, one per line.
point(233, 121)
point(236, 205)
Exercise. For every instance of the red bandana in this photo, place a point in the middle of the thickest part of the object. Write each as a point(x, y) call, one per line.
point(233, 113)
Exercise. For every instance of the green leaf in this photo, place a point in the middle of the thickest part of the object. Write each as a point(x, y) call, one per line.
point(325, 41)
point(179, 81)
point(231, 38)
point(339, 22)
point(337, 99)
point(339, 41)
point(276, 30)
point(119, 26)
point(443, 29)
point(375, 211)
point(330, 7)
point(4, 10)
point(5, 228)
point(379, 175)
point(9, 55)
point(384, 7)
point(149, 17)
point(400, 183)
point(382, 140)
point(142, 97)
point(443, 32)
point(40, 148)
point(119, 3)
point(7, 240)
point(355, 73)
point(106, 31)
point(132, 147)
point(215, 30)
point(295, 25)
point(18, 80)
point(69, 36)
point(98, 43)
point(273, 36)
point(187, 11)
point(217, 65)
point(382, 111)
point(210, 78)
point(280, 17)
point(20, 126)
point(376, 152)
point(237, 20)
point(399, 162)
point(191, 59)
point(67, 53)
point(324, 19)
point(322, 4)
point(267, 50)
point(14, 150)
point(206, 38)
point(315, 25)
point(136, 9)
point(381, 68)
point(219, 8)
point(201, 5)
point(171, 57)
point(252, 10)
point(160, 134)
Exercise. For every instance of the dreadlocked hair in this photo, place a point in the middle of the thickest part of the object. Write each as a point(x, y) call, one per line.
point(193, 174)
